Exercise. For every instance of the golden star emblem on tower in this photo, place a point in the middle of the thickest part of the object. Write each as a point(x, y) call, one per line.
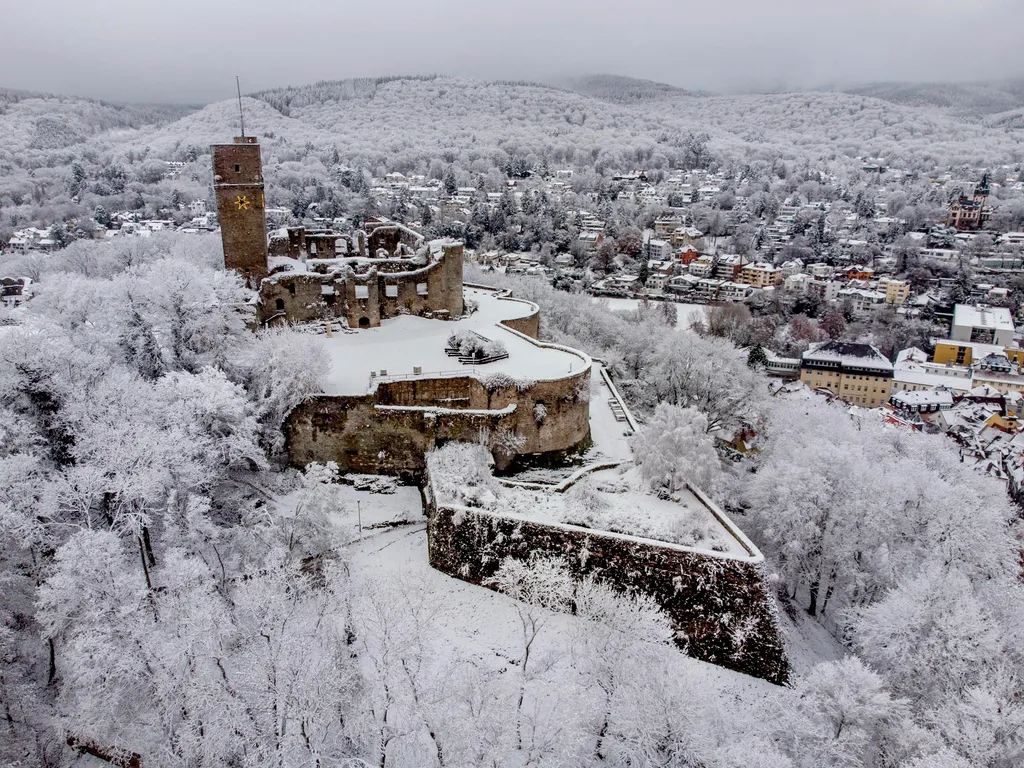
point(242, 202)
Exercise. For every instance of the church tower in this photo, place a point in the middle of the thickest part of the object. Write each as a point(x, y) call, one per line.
point(238, 185)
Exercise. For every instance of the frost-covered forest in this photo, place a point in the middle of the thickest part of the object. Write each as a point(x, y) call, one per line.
point(170, 589)
point(62, 157)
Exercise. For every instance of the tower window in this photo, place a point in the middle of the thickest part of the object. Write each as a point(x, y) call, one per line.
point(291, 288)
point(280, 305)
point(238, 169)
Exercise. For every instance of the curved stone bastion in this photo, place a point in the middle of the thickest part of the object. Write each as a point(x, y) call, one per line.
point(393, 392)
point(718, 601)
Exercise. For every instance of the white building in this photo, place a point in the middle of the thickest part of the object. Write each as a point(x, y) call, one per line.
point(987, 325)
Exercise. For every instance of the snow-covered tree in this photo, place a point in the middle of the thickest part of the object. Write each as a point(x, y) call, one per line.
point(674, 450)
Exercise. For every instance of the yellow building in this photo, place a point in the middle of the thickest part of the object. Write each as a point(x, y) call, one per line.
point(966, 353)
point(856, 373)
point(897, 291)
point(760, 275)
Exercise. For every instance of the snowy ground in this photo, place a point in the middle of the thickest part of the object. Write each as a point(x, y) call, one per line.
point(686, 312)
point(485, 624)
point(610, 437)
point(617, 502)
point(406, 342)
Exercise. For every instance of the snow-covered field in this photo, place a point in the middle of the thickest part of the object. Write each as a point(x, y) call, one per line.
point(687, 312)
point(403, 343)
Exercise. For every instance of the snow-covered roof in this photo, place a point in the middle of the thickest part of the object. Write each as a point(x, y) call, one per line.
point(922, 376)
point(996, 318)
point(939, 396)
point(912, 354)
point(847, 354)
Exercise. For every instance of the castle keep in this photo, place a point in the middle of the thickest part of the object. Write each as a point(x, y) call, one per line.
point(238, 185)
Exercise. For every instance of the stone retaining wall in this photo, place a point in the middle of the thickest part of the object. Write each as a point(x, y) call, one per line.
point(721, 607)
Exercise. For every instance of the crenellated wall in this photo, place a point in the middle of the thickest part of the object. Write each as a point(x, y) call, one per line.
point(720, 606)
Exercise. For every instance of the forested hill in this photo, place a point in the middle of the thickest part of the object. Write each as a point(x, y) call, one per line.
point(622, 90)
point(30, 120)
point(960, 98)
point(61, 156)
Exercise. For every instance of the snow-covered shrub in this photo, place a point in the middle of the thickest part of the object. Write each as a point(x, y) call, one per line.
point(585, 506)
point(494, 348)
point(540, 413)
point(461, 473)
point(472, 344)
point(693, 531)
point(494, 381)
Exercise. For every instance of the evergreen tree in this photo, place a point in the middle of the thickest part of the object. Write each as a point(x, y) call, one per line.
point(756, 358)
point(645, 271)
point(59, 234)
point(450, 187)
point(101, 216)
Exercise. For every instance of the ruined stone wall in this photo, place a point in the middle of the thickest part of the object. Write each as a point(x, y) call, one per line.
point(302, 297)
point(389, 236)
point(390, 430)
point(721, 607)
point(434, 290)
point(364, 437)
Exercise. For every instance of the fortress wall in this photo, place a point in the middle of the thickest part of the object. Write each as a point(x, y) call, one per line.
point(362, 437)
point(720, 606)
point(390, 430)
point(528, 326)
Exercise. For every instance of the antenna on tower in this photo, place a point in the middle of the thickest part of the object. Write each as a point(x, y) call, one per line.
point(241, 115)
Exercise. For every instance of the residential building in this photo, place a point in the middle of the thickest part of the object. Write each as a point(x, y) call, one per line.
point(761, 275)
point(967, 213)
point(856, 373)
point(861, 298)
point(826, 290)
point(896, 291)
point(730, 291)
point(656, 282)
point(666, 225)
point(707, 288)
point(14, 290)
point(688, 236)
point(729, 267)
point(792, 267)
point(913, 373)
point(987, 325)
point(950, 352)
point(659, 250)
point(688, 254)
point(858, 272)
point(703, 266)
point(928, 401)
point(798, 283)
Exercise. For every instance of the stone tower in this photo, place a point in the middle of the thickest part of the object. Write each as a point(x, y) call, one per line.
point(238, 184)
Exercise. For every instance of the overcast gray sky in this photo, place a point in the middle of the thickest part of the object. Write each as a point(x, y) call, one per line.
point(191, 50)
